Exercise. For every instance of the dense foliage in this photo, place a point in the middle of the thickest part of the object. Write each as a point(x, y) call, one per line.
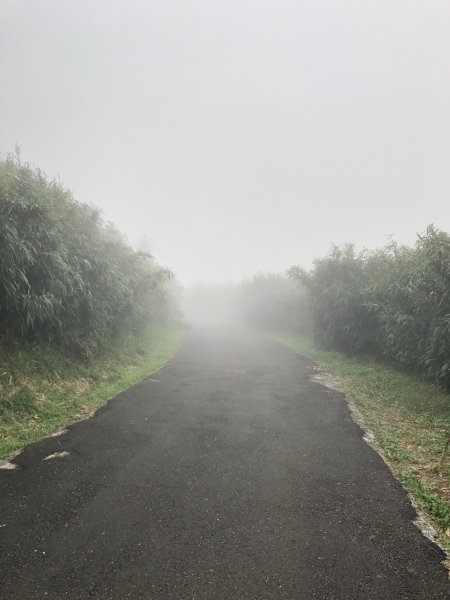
point(66, 277)
point(393, 303)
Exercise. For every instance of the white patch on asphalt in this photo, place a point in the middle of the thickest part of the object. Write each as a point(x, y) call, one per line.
point(369, 437)
point(7, 466)
point(325, 379)
point(422, 523)
point(59, 432)
point(56, 455)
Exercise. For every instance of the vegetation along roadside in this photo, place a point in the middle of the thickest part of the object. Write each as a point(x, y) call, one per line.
point(41, 390)
point(409, 417)
point(83, 314)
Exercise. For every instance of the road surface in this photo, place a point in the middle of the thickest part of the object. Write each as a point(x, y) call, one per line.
point(228, 475)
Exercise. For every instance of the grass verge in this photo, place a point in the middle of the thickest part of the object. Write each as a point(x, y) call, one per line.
point(42, 391)
point(410, 418)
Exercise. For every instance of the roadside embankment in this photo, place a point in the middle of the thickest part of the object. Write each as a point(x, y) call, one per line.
point(409, 417)
point(41, 390)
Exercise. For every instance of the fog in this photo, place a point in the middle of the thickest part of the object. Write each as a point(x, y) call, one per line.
point(267, 301)
point(236, 136)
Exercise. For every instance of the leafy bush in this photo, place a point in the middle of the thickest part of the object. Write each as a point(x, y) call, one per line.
point(66, 277)
point(393, 303)
point(336, 287)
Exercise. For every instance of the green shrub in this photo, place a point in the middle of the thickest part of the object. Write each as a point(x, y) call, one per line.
point(66, 277)
point(393, 303)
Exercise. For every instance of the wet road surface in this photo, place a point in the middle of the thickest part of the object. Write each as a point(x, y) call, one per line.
point(227, 475)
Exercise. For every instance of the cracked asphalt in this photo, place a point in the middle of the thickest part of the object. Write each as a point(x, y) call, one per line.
point(228, 475)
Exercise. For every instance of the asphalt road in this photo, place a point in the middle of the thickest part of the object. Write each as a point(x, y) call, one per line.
point(229, 475)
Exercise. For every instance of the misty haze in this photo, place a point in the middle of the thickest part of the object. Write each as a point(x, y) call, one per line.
point(225, 300)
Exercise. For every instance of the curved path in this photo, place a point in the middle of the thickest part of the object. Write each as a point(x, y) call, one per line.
point(229, 475)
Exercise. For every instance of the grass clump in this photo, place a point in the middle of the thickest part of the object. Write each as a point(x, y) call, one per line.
point(409, 416)
point(22, 402)
point(41, 390)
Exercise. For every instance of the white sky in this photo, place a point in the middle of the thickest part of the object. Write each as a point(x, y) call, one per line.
point(236, 135)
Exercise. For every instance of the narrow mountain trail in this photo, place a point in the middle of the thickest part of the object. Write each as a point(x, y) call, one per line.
point(227, 475)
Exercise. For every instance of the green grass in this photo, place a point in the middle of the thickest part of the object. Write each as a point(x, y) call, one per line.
point(410, 417)
point(41, 390)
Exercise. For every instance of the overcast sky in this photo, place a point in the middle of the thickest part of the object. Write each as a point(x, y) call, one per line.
point(236, 135)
